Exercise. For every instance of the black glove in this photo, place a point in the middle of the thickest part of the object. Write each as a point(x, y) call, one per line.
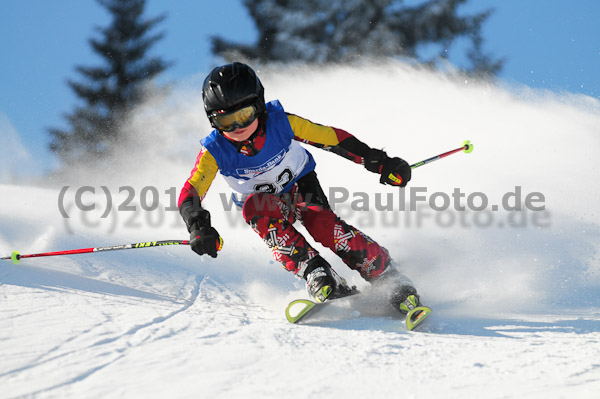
point(393, 171)
point(206, 240)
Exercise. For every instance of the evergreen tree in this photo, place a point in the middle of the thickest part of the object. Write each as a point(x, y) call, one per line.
point(325, 31)
point(110, 91)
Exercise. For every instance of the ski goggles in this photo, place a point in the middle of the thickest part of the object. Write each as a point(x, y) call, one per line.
point(230, 121)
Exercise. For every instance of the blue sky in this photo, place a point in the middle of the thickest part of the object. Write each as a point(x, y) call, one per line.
point(552, 44)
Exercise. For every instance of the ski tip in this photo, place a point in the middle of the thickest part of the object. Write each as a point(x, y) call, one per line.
point(417, 316)
point(468, 147)
point(297, 309)
point(15, 256)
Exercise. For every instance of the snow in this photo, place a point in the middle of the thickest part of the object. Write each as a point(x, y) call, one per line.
point(516, 295)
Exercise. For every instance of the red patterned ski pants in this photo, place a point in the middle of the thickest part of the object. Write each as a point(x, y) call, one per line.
point(273, 216)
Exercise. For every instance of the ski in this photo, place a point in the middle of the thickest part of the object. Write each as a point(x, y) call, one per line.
point(416, 313)
point(417, 316)
point(304, 309)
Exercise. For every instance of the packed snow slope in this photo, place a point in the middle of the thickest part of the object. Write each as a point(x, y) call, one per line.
point(515, 293)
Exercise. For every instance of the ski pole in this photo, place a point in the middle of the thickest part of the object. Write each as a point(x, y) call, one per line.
point(466, 147)
point(16, 256)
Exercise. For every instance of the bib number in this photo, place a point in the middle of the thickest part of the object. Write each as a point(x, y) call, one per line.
point(272, 188)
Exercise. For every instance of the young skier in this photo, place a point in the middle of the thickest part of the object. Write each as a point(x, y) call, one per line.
point(255, 146)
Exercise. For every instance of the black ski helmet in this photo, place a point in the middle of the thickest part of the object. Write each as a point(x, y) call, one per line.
point(232, 86)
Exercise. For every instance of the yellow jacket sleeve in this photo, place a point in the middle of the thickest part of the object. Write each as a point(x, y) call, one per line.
point(310, 132)
point(201, 178)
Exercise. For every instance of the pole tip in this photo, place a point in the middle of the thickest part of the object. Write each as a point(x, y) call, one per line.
point(15, 256)
point(468, 146)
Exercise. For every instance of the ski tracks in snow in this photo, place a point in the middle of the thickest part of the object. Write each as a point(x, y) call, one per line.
point(52, 356)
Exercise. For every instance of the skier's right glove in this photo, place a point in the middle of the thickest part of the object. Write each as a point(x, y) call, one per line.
point(204, 239)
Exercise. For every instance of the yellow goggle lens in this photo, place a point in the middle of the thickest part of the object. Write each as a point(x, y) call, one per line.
point(241, 118)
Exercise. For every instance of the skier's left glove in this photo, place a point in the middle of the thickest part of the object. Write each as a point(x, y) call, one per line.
point(394, 171)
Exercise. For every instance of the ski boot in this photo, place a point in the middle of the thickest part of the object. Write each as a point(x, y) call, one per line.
point(397, 288)
point(400, 289)
point(403, 296)
point(322, 282)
